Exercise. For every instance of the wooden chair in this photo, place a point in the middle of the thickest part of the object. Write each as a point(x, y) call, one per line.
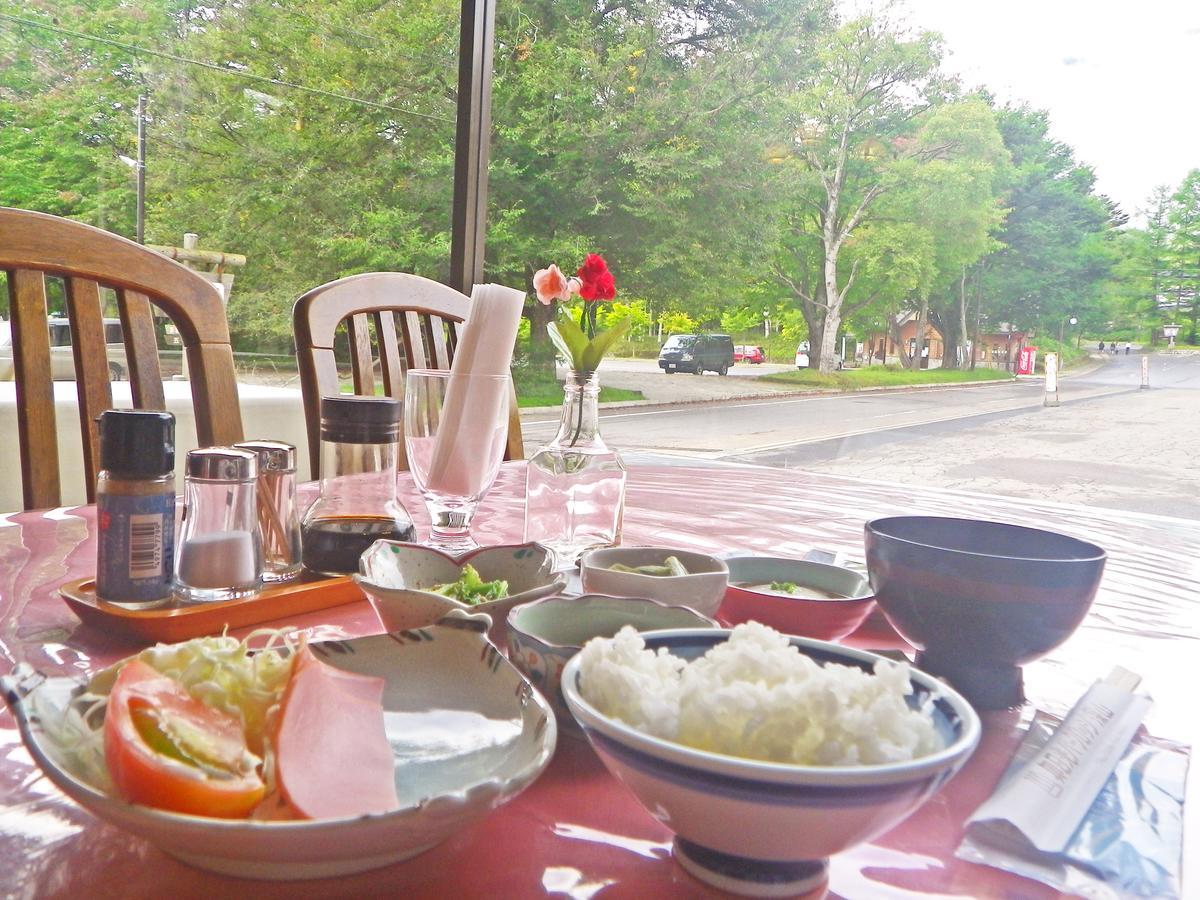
point(417, 323)
point(33, 246)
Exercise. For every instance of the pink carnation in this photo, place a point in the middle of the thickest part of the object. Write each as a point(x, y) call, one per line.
point(551, 284)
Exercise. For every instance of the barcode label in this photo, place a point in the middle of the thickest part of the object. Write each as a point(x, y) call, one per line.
point(145, 546)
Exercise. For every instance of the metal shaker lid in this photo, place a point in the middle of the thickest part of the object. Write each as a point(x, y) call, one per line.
point(273, 456)
point(222, 464)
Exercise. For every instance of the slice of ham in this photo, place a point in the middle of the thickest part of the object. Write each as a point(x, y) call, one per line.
point(332, 757)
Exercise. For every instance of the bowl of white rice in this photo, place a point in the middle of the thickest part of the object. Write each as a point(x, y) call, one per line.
point(766, 754)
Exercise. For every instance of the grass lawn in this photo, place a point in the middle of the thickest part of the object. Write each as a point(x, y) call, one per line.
point(538, 388)
point(883, 376)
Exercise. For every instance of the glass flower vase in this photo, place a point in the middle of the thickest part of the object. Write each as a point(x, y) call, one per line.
point(575, 485)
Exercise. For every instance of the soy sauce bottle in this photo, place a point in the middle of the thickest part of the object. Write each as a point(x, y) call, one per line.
point(360, 443)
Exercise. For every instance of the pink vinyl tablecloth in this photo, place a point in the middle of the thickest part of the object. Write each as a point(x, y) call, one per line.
point(576, 832)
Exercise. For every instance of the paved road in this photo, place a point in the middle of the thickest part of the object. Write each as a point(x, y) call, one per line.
point(735, 429)
point(1108, 444)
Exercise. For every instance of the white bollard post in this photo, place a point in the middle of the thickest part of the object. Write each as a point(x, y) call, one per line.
point(1145, 373)
point(1051, 398)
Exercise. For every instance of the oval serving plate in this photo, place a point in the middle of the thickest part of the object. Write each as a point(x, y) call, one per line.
point(467, 731)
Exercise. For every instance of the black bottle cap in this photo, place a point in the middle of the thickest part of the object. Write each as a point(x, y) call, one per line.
point(350, 419)
point(137, 443)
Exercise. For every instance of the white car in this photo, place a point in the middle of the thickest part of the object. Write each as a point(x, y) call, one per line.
point(62, 361)
point(802, 356)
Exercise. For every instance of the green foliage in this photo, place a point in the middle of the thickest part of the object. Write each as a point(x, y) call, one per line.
point(1183, 251)
point(677, 323)
point(576, 350)
point(728, 159)
point(1054, 254)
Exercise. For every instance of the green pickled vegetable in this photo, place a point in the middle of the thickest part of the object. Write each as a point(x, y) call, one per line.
point(671, 566)
point(471, 589)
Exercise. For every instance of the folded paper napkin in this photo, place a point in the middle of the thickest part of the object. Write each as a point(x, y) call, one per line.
point(474, 412)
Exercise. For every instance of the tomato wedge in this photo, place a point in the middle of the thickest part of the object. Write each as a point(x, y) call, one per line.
point(166, 749)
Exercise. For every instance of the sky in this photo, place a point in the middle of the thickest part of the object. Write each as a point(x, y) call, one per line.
point(1120, 79)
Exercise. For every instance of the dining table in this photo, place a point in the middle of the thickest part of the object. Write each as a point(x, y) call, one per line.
point(576, 831)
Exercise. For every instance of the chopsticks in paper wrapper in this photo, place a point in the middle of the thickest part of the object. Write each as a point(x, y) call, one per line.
point(1049, 797)
point(1043, 819)
point(469, 411)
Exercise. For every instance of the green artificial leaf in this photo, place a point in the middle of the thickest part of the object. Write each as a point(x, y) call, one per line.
point(570, 341)
point(599, 345)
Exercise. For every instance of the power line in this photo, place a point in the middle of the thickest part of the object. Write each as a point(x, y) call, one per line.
point(132, 48)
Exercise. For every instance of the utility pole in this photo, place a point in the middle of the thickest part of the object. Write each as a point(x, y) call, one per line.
point(141, 169)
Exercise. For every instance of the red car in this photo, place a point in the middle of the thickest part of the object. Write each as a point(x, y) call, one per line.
point(748, 353)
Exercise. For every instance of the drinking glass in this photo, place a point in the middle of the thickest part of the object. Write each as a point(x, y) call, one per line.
point(455, 429)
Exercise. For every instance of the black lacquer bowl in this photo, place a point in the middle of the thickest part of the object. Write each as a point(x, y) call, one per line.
point(980, 599)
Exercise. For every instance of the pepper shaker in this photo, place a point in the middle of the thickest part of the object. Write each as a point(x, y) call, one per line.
point(220, 553)
point(135, 507)
point(278, 518)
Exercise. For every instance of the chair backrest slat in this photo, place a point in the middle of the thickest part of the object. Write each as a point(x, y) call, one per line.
point(34, 389)
point(35, 245)
point(141, 349)
point(414, 341)
point(91, 370)
point(361, 363)
point(391, 364)
point(439, 348)
point(214, 397)
point(430, 317)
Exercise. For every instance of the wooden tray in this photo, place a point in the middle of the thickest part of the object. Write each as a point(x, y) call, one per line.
point(178, 623)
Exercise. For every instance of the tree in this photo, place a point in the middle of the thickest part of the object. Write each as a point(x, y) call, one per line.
point(1054, 255)
point(1183, 248)
point(847, 133)
point(939, 220)
point(633, 129)
point(1153, 255)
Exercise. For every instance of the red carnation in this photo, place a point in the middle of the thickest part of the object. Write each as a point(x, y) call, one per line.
point(596, 282)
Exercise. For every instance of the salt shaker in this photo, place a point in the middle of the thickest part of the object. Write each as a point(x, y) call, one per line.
point(135, 507)
point(220, 553)
point(278, 518)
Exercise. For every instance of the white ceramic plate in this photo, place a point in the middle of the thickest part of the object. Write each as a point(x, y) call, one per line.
point(467, 731)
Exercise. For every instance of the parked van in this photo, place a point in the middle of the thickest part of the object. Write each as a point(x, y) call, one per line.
point(696, 353)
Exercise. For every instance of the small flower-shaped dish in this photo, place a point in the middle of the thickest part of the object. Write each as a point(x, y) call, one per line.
point(543, 636)
point(701, 589)
point(467, 732)
point(826, 602)
point(397, 578)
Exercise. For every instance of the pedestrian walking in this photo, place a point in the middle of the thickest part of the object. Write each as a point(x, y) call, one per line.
point(1102, 346)
point(1128, 347)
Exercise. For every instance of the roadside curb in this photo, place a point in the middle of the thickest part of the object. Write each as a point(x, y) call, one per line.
point(771, 395)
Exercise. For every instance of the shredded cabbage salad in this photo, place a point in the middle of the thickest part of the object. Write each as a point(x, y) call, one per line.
point(223, 672)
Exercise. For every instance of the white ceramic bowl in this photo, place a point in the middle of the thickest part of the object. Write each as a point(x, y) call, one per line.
point(543, 636)
point(468, 734)
point(702, 589)
point(761, 828)
point(396, 577)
